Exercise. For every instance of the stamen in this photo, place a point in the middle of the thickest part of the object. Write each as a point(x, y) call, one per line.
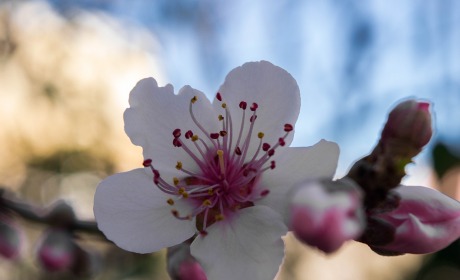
point(243, 105)
point(176, 181)
point(176, 132)
point(218, 96)
point(188, 134)
point(253, 118)
point(177, 143)
point(220, 117)
point(194, 138)
point(214, 135)
point(221, 161)
point(281, 141)
point(254, 107)
point(175, 213)
point(185, 195)
point(170, 201)
point(207, 202)
point(147, 163)
point(288, 127)
point(210, 191)
point(266, 147)
point(224, 105)
point(260, 135)
point(193, 100)
point(238, 151)
point(223, 133)
point(271, 152)
point(181, 190)
point(219, 217)
point(272, 165)
point(179, 165)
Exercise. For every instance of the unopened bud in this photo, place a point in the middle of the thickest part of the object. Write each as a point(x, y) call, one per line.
point(57, 252)
point(326, 213)
point(181, 264)
point(10, 239)
point(408, 123)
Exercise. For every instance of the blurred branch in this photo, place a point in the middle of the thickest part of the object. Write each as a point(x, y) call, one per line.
point(59, 215)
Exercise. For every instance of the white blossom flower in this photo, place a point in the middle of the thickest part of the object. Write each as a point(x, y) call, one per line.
point(216, 171)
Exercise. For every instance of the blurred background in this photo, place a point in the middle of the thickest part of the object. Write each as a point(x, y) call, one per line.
point(66, 69)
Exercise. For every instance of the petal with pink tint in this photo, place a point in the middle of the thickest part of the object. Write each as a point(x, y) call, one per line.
point(426, 221)
point(326, 219)
point(10, 239)
point(132, 212)
point(273, 89)
point(293, 166)
point(246, 245)
point(155, 112)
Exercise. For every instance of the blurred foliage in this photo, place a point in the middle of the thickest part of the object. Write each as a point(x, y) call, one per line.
point(443, 159)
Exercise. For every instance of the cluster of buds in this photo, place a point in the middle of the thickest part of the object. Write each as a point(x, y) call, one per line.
point(370, 205)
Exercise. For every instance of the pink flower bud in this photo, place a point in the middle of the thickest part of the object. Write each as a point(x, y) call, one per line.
point(10, 239)
point(409, 121)
point(181, 264)
point(425, 220)
point(325, 214)
point(57, 251)
point(191, 271)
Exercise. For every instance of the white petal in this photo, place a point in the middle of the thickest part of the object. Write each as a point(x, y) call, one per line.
point(273, 89)
point(247, 245)
point(133, 213)
point(293, 166)
point(156, 112)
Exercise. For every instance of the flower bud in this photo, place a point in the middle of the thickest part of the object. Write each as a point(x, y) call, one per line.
point(325, 214)
point(409, 122)
point(10, 239)
point(57, 251)
point(181, 264)
point(425, 221)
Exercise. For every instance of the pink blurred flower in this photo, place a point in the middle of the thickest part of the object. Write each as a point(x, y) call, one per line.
point(325, 215)
point(425, 221)
point(221, 179)
point(191, 271)
point(10, 239)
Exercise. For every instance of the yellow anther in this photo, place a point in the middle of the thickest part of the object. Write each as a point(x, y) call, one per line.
point(260, 135)
point(170, 201)
point(207, 202)
point(185, 195)
point(181, 190)
point(221, 161)
point(194, 138)
point(179, 165)
point(188, 217)
point(174, 212)
point(220, 117)
point(194, 99)
point(176, 181)
point(219, 217)
point(210, 191)
point(224, 105)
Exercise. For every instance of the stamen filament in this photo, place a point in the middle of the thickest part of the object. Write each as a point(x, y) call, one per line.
point(200, 126)
point(221, 161)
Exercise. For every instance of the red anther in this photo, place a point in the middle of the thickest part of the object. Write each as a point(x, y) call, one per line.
point(281, 141)
point(176, 132)
point(223, 133)
point(156, 173)
point(238, 151)
point(147, 163)
point(245, 173)
point(214, 135)
point(271, 152)
point(272, 165)
point(254, 106)
point(203, 233)
point(177, 143)
point(188, 134)
point(218, 96)
point(255, 118)
point(266, 147)
point(288, 127)
point(264, 192)
point(243, 105)
point(156, 180)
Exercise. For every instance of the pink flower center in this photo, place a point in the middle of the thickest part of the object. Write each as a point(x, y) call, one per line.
point(227, 178)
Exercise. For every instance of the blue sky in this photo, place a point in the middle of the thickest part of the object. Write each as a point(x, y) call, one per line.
point(353, 60)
